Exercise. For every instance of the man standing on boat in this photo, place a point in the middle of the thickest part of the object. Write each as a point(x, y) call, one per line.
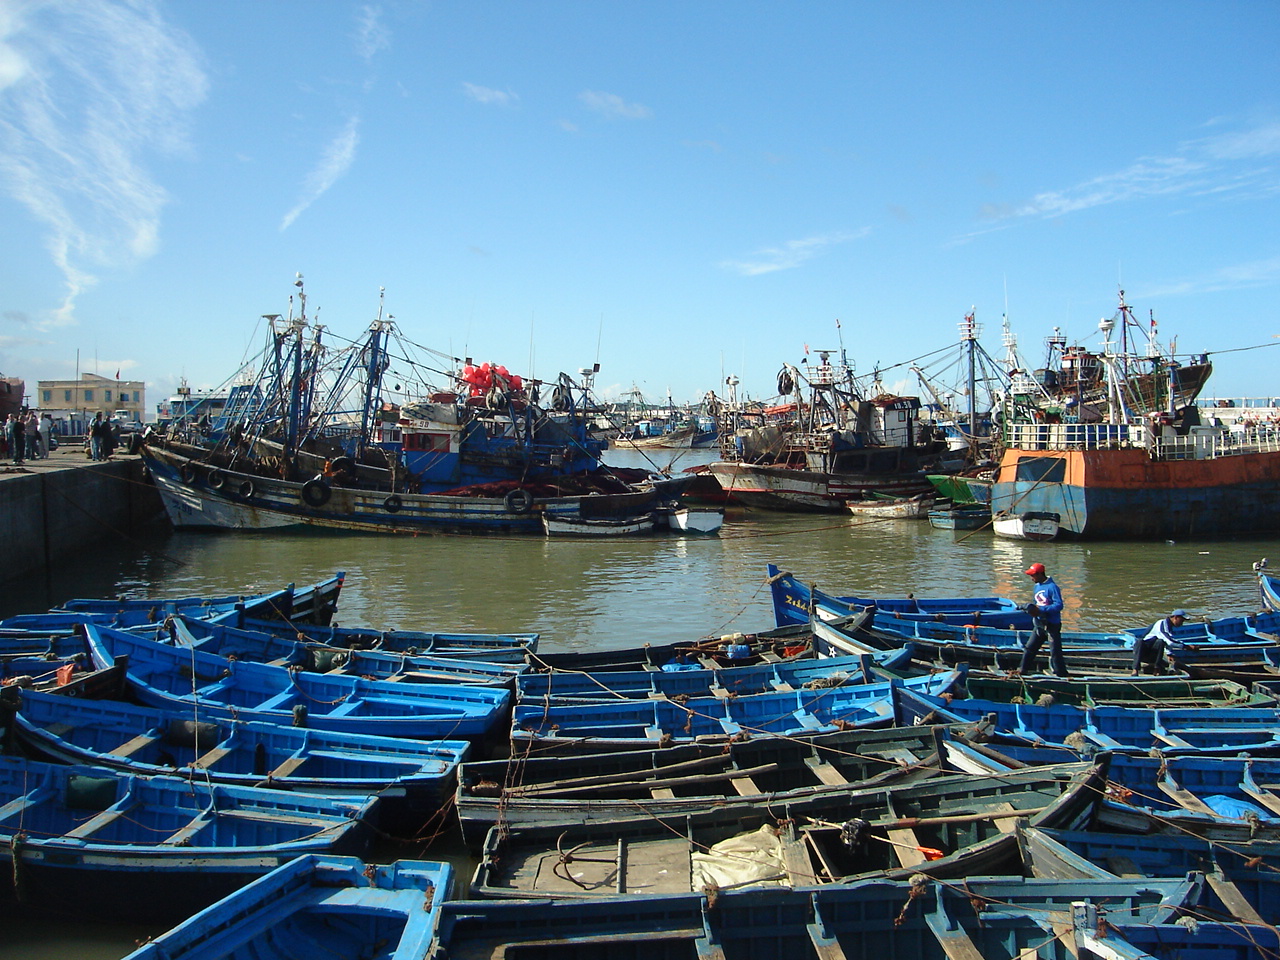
point(1158, 644)
point(1046, 609)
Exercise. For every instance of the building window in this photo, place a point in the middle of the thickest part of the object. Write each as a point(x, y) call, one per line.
point(46, 396)
point(88, 396)
point(66, 396)
point(135, 396)
point(106, 395)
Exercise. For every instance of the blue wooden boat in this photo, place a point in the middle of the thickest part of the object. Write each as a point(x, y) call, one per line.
point(692, 777)
point(311, 604)
point(73, 676)
point(160, 675)
point(989, 918)
point(1245, 660)
point(316, 906)
point(963, 822)
point(1172, 941)
point(792, 642)
point(1223, 731)
point(961, 516)
point(639, 724)
point(413, 777)
point(94, 843)
point(689, 679)
point(224, 641)
point(494, 647)
point(1229, 799)
point(1268, 586)
point(1242, 880)
point(792, 600)
point(1220, 798)
point(1144, 691)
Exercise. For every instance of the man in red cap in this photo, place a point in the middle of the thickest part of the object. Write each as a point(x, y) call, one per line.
point(1046, 609)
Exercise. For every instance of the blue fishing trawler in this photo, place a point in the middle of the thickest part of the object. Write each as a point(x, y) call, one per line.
point(322, 438)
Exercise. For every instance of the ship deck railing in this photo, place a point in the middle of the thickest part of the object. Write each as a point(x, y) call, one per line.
point(1199, 443)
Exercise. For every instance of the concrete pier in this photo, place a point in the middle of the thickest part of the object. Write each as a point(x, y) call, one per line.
point(62, 506)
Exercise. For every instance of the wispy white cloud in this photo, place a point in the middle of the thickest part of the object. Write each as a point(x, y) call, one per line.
point(487, 95)
point(790, 254)
point(371, 34)
point(87, 91)
point(335, 161)
point(1236, 163)
point(1254, 273)
point(612, 105)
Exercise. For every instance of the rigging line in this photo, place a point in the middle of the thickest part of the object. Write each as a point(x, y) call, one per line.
point(1214, 353)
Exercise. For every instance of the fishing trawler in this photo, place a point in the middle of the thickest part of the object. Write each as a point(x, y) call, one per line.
point(1117, 467)
point(320, 438)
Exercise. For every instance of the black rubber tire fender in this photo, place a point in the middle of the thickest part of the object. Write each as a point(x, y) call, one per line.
point(316, 492)
point(518, 501)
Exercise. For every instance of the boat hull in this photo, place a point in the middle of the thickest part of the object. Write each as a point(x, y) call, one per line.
point(1028, 526)
point(1124, 494)
point(195, 496)
point(786, 489)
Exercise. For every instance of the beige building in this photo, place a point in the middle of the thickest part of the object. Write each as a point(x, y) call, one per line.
point(91, 394)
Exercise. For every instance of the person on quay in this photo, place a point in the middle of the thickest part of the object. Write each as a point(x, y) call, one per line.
point(46, 432)
point(1046, 609)
point(33, 436)
point(96, 431)
point(1156, 648)
point(17, 437)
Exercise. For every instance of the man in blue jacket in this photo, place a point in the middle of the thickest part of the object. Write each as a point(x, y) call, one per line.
point(1046, 609)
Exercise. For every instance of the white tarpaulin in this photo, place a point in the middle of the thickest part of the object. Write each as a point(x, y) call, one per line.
point(749, 859)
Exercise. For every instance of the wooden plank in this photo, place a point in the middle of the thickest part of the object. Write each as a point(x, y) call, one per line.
point(1264, 797)
point(14, 807)
point(905, 844)
point(662, 793)
point(795, 860)
point(1005, 824)
point(1172, 739)
point(286, 769)
point(1234, 900)
point(1184, 798)
point(213, 756)
point(190, 830)
point(897, 754)
point(828, 774)
point(824, 947)
point(1102, 739)
point(1124, 867)
point(131, 747)
point(99, 821)
point(273, 816)
point(745, 786)
point(955, 942)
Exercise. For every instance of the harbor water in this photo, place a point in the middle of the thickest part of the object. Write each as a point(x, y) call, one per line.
point(597, 594)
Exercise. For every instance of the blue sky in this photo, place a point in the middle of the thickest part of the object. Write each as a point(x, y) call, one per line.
point(676, 190)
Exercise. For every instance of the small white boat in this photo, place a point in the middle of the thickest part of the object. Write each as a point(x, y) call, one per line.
point(694, 519)
point(579, 527)
point(1032, 525)
point(892, 508)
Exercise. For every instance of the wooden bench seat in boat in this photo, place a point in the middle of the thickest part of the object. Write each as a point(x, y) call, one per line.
point(107, 816)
